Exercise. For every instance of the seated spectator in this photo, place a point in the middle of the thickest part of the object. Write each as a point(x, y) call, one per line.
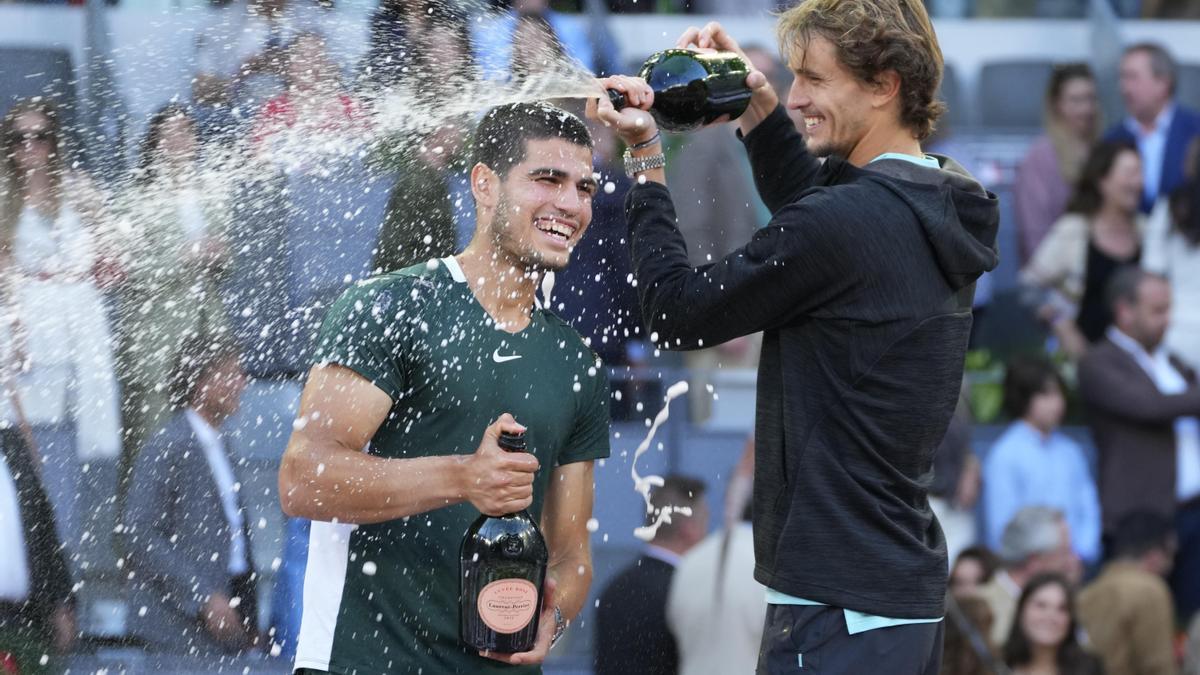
point(1101, 231)
point(1055, 159)
point(631, 612)
point(1044, 639)
point(186, 539)
point(174, 225)
point(531, 35)
point(1037, 540)
point(37, 616)
point(1173, 251)
point(715, 607)
point(1127, 610)
point(974, 567)
point(51, 235)
point(965, 649)
point(1155, 122)
point(1144, 411)
point(1035, 464)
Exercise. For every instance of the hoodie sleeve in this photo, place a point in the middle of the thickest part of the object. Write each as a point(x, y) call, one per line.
point(792, 266)
point(783, 167)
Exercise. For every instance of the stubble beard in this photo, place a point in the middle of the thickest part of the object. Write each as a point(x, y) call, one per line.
point(525, 256)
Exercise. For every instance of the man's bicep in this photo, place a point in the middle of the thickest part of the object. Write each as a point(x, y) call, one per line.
point(341, 406)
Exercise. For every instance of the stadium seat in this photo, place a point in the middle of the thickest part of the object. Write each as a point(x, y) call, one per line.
point(951, 94)
point(1011, 93)
point(1189, 85)
point(37, 71)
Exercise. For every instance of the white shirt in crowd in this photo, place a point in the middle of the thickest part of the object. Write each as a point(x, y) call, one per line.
point(717, 634)
point(1187, 429)
point(1152, 146)
point(1167, 252)
point(227, 487)
point(14, 565)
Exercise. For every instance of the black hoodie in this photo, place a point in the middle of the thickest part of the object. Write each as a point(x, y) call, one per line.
point(862, 284)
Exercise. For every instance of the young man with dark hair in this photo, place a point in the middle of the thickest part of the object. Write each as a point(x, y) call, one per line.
point(417, 373)
point(1127, 610)
point(862, 283)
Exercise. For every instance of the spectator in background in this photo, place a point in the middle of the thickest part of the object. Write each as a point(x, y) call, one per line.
point(173, 222)
point(974, 567)
point(1037, 540)
point(186, 538)
point(966, 650)
point(37, 615)
point(1143, 407)
point(1044, 638)
point(1191, 662)
point(1055, 159)
point(1035, 464)
point(956, 480)
point(1101, 231)
point(49, 233)
point(631, 613)
point(1159, 127)
point(1173, 251)
point(715, 607)
point(530, 35)
point(1127, 610)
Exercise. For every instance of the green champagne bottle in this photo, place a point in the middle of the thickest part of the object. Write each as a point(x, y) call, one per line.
point(692, 89)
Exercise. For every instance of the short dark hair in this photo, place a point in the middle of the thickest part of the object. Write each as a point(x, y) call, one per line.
point(1026, 377)
point(1162, 64)
point(1139, 532)
point(1125, 285)
point(988, 560)
point(503, 135)
point(1086, 198)
point(197, 356)
point(1061, 75)
point(676, 490)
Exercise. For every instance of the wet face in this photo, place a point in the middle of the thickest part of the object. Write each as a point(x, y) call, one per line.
point(32, 141)
point(967, 575)
point(835, 105)
point(177, 144)
point(1077, 105)
point(1121, 187)
point(1145, 93)
point(1046, 618)
point(545, 204)
point(1047, 407)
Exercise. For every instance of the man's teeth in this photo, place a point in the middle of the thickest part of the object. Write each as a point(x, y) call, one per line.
point(812, 121)
point(556, 229)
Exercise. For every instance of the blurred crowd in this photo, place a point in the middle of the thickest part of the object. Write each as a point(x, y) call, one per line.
point(173, 306)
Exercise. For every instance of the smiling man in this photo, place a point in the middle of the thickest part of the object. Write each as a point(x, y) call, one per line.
point(424, 368)
point(862, 283)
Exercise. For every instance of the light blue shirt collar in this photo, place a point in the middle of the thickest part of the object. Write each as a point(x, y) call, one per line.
point(924, 160)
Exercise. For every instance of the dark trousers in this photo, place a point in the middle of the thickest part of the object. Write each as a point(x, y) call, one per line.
point(810, 640)
point(1185, 578)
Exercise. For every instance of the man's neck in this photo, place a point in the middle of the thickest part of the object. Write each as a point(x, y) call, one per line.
point(1148, 120)
point(881, 141)
point(214, 418)
point(504, 286)
point(1042, 431)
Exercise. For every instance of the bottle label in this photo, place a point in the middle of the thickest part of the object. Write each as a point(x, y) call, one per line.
point(507, 605)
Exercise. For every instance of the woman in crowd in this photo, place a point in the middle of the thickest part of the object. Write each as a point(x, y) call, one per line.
point(1100, 232)
point(973, 568)
point(1055, 159)
point(174, 223)
point(1043, 639)
point(1173, 250)
point(49, 232)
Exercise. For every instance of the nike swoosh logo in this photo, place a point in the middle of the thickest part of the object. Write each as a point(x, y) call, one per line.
point(502, 359)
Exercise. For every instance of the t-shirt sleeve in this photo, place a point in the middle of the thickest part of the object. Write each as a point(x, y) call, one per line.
point(366, 330)
point(589, 439)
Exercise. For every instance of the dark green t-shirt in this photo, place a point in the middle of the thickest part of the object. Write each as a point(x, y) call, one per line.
point(384, 598)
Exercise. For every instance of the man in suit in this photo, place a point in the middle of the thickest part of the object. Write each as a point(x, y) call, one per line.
point(1159, 127)
point(1144, 406)
point(36, 606)
point(186, 539)
point(632, 636)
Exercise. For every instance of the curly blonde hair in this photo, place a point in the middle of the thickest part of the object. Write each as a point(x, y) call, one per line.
point(871, 37)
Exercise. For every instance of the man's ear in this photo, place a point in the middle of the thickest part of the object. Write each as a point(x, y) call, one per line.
point(885, 89)
point(485, 185)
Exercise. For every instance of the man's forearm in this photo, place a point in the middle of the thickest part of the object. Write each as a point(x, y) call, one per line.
point(351, 486)
point(574, 577)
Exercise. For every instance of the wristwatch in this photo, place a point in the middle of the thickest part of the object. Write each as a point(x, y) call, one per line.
point(560, 626)
point(636, 165)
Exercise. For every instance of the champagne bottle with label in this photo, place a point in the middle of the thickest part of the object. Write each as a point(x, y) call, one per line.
point(503, 570)
point(692, 89)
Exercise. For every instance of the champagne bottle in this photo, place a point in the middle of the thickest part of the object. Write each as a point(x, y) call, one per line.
point(692, 89)
point(503, 567)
